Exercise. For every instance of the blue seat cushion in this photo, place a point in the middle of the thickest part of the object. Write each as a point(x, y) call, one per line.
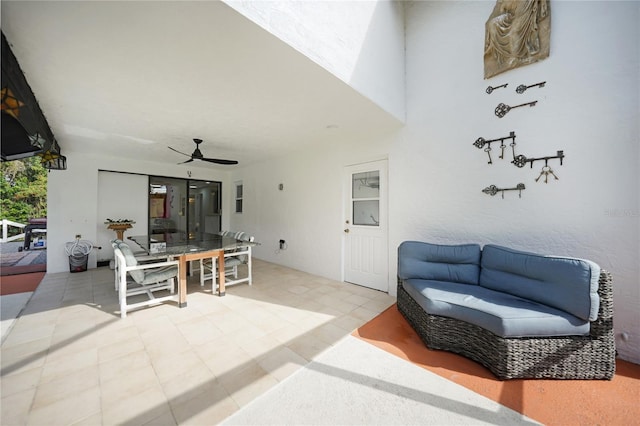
point(454, 263)
point(564, 283)
point(501, 313)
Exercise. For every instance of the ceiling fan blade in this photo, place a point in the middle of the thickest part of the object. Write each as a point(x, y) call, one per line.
point(218, 161)
point(179, 152)
point(188, 161)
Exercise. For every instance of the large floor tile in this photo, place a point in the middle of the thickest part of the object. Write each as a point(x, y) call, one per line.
point(71, 359)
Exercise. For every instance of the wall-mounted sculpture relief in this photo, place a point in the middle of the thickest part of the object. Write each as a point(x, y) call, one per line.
point(517, 34)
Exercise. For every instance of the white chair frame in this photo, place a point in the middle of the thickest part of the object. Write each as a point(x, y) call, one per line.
point(140, 257)
point(209, 270)
point(121, 270)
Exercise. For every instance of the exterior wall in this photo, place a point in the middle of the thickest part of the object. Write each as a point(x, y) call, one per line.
point(73, 201)
point(589, 108)
point(360, 42)
point(309, 212)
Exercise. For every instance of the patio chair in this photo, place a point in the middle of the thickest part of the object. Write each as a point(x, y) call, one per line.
point(147, 278)
point(232, 259)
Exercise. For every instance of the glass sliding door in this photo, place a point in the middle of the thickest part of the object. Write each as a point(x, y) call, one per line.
point(181, 205)
point(205, 214)
point(167, 205)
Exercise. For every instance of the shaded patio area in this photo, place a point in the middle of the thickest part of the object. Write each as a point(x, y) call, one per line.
point(70, 358)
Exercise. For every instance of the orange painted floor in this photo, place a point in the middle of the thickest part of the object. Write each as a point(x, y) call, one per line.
point(12, 284)
point(552, 402)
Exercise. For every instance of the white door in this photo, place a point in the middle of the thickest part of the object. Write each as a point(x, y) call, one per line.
point(365, 225)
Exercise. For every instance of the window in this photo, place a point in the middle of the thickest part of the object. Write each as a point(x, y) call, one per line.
point(238, 197)
point(184, 205)
point(365, 198)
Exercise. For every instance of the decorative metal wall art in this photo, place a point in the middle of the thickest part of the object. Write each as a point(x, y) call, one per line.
point(517, 33)
point(518, 160)
point(493, 190)
point(481, 142)
point(491, 89)
point(521, 160)
point(522, 88)
point(502, 109)
point(546, 171)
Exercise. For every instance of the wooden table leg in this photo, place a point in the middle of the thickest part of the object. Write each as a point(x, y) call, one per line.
point(221, 290)
point(182, 284)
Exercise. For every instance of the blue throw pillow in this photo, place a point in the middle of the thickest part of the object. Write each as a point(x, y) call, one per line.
point(454, 263)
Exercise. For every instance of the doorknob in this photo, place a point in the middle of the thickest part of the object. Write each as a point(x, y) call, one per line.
point(346, 231)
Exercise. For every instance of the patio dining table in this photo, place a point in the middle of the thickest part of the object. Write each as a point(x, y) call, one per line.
point(188, 247)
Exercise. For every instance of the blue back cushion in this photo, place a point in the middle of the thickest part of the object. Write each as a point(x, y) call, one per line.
point(459, 263)
point(564, 283)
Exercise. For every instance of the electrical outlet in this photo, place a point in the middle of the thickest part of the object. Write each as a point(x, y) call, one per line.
point(78, 236)
point(282, 244)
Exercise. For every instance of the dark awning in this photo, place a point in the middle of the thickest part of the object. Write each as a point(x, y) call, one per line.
point(25, 131)
point(15, 140)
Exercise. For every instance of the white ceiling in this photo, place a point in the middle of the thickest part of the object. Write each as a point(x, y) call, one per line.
point(132, 78)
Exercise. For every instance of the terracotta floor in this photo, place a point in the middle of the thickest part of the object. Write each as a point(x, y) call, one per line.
point(552, 402)
point(12, 284)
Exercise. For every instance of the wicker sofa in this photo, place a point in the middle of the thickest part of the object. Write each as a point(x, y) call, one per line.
point(521, 315)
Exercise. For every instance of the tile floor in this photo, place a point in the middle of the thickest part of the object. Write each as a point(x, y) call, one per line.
point(70, 359)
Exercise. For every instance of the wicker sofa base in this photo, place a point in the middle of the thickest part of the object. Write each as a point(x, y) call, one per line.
point(573, 357)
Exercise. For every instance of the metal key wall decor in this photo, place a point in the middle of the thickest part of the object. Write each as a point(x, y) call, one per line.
point(518, 160)
point(522, 88)
point(491, 89)
point(546, 171)
point(502, 109)
point(481, 142)
point(493, 190)
point(521, 160)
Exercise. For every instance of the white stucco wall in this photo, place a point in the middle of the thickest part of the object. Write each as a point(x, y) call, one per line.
point(309, 212)
point(73, 200)
point(360, 42)
point(589, 108)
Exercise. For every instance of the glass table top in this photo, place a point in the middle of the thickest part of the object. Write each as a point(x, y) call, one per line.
point(181, 243)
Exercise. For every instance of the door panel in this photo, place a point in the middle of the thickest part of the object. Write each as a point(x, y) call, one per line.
point(365, 232)
point(181, 205)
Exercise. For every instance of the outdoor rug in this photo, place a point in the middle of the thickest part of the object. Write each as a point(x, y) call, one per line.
point(354, 382)
point(23, 262)
point(552, 402)
point(12, 284)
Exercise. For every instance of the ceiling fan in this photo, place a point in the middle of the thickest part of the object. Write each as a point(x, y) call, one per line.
point(197, 155)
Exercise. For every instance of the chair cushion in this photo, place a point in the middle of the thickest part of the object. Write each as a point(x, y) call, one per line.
point(228, 262)
point(130, 259)
point(454, 263)
point(233, 261)
point(564, 283)
point(503, 314)
point(160, 274)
